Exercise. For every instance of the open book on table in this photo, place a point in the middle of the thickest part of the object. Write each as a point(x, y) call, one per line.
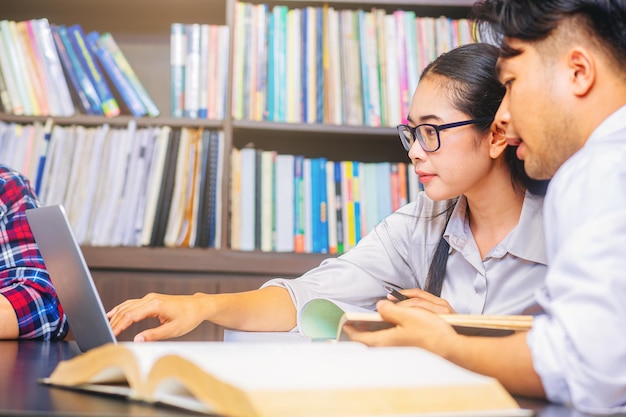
point(286, 380)
point(321, 318)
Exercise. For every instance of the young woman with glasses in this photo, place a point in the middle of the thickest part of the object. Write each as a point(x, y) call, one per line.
point(471, 243)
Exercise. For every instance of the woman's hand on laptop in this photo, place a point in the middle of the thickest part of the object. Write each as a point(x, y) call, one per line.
point(177, 315)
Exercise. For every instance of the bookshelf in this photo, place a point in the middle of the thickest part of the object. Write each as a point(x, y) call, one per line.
point(142, 29)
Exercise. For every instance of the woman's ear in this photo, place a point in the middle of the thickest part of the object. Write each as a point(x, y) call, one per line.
point(497, 142)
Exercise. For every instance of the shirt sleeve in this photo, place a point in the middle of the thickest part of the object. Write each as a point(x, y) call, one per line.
point(24, 280)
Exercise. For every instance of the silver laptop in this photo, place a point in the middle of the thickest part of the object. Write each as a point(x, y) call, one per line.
point(70, 276)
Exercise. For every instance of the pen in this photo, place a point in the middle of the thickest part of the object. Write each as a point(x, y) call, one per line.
point(396, 294)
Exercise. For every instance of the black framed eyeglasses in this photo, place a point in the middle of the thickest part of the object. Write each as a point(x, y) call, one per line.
point(427, 134)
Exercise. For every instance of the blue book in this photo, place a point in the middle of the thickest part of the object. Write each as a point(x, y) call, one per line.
point(319, 64)
point(319, 206)
point(83, 88)
point(129, 97)
point(110, 107)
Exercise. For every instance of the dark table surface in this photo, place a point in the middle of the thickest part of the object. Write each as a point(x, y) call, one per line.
point(23, 363)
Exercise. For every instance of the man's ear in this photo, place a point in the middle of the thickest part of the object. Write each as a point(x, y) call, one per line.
point(582, 70)
point(497, 142)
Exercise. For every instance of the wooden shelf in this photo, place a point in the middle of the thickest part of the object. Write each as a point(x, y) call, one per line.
point(212, 261)
point(89, 120)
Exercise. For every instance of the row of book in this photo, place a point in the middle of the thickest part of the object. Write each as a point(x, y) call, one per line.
point(130, 186)
point(162, 186)
point(322, 65)
point(199, 70)
point(57, 70)
point(289, 203)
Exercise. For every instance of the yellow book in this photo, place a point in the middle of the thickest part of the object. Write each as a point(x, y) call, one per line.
point(286, 380)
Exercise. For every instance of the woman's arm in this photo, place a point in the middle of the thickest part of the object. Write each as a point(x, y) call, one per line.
point(266, 309)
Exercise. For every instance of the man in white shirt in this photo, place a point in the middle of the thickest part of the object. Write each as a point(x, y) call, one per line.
point(563, 64)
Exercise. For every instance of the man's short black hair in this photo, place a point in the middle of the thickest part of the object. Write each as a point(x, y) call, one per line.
point(534, 20)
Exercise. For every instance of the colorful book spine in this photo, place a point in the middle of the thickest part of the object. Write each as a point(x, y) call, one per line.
point(34, 68)
point(203, 97)
point(299, 204)
point(22, 99)
point(271, 67)
point(54, 70)
point(14, 98)
point(110, 108)
point(192, 71)
point(339, 207)
point(106, 40)
point(129, 96)
point(356, 198)
point(178, 42)
point(84, 89)
point(319, 66)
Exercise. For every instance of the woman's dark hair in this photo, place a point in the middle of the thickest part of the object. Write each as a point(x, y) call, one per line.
point(476, 91)
point(534, 20)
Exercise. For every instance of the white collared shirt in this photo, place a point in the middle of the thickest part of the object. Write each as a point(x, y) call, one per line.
point(579, 345)
point(399, 250)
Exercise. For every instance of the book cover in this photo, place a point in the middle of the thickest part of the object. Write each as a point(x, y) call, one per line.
point(285, 203)
point(14, 70)
point(258, 198)
point(339, 207)
point(178, 49)
point(268, 185)
point(248, 207)
point(298, 196)
point(92, 103)
point(203, 83)
point(331, 209)
point(210, 196)
point(192, 70)
point(91, 67)
point(307, 379)
point(167, 189)
point(239, 47)
point(107, 41)
point(235, 199)
point(122, 85)
point(202, 225)
point(43, 96)
point(54, 69)
point(155, 179)
point(5, 97)
point(319, 210)
point(324, 319)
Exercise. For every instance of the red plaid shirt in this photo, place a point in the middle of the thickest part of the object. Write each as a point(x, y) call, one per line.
point(24, 280)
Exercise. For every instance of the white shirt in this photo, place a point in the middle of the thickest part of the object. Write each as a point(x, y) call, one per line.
point(579, 346)
point(399, 250)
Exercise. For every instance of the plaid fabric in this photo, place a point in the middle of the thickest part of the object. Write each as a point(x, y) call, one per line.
point(24, 280)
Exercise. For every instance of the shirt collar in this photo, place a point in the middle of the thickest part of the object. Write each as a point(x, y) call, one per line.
point(610, 125)
point(525, 241)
